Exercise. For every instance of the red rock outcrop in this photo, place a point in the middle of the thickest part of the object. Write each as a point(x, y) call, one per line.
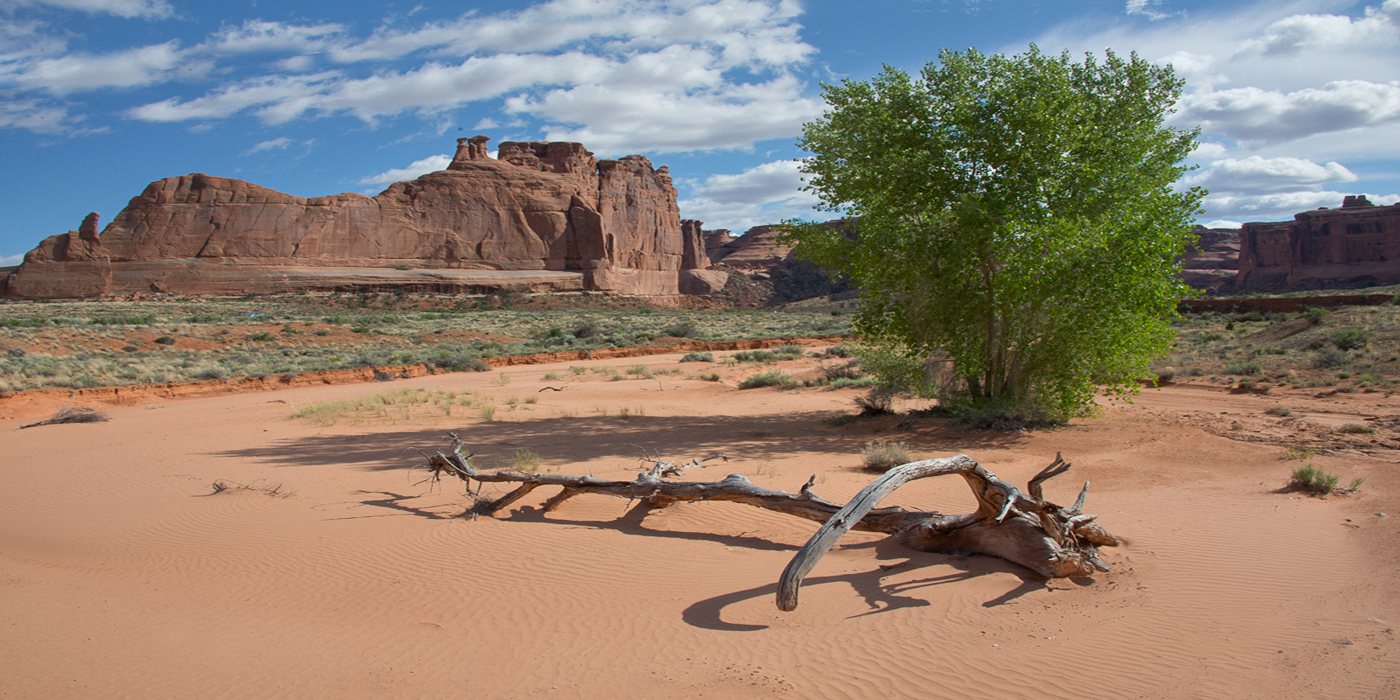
point(546, 216)
point(1213, 262)
point(1357, 245)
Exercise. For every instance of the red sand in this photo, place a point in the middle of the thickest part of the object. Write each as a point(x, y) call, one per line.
point(121, 576)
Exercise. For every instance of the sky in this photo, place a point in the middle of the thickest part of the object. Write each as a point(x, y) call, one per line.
point(1298, 102)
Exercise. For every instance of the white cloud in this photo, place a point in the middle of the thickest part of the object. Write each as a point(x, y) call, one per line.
point(1223, 223)
point(145, 9)
point(275, 144)
point(261, 36)
point(1205, 150)
point(1295, 33)
point(1143, 7)
point(1258, 175)
point(764, 194)
point(747, 32)
point(144, 65)
point(416, 169)
point(616, 119)
point(290, 91)
point(36, 116)
point(1268, 116)
point(1281, 206)
point(11, 260)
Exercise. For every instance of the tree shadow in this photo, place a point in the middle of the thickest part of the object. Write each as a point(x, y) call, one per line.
point(881, 597)
point(579, 439)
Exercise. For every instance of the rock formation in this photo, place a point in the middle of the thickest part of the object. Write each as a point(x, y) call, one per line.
point(1357, 245)
point(1213, 262)
point(540, 216)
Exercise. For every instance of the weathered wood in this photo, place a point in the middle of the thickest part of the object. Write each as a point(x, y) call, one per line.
point(1020, 527)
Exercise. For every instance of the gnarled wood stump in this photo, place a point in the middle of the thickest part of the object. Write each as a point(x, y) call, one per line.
point(1020, 527)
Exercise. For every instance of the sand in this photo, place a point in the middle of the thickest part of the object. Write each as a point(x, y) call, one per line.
point(340, 574)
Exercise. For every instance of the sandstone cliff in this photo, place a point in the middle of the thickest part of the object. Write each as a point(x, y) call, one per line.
point(1357, 245)
point(541, 216)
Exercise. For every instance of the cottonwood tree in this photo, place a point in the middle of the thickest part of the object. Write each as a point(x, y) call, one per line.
point(1016, 215)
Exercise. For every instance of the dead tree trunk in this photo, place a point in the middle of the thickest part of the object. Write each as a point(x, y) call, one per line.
point(1017, 526)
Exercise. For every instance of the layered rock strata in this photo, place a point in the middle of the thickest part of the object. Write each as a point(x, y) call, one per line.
point(540, 216)
point(1357, 245)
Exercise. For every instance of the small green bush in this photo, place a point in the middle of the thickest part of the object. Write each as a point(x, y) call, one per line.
point(883, 455)
point(684, 329)
point(1356, 429)
point(1313, 480)
point(772, 377)
point(755, 356)
point(1349, 339)
point(698, 357)
point(708, 376)
point(1243, 368)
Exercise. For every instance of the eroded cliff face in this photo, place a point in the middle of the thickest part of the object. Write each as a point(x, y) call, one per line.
point(1357, 245)
point(544, 216)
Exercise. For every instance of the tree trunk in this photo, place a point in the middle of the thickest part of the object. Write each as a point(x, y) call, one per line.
point(1019, 527)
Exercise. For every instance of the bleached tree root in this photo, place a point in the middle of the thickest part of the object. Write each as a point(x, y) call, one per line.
point(1020, 527)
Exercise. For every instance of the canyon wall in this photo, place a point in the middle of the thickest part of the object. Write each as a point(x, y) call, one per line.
point(540, 216)
point(1355, 246)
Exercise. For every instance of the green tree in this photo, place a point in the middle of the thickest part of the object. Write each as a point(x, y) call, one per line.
point(1016, 215)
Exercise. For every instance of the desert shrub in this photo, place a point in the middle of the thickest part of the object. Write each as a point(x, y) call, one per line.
point(22, 322)
point(755, 356)
point(850, 383)
point(685, 329)
point(789, 352)
point(641, 371)
point(709, 376)
point(1315, 315)
point(1356, 429)
point(772, 377)
point(525, 460)
point(844, 419)
point(587, 328)
point(837, 351)
point(462, 363)
point(550, 377)
point(883, 455)
point(1279, 411)
point(165, 340)
point(1328, 358)
point(264, 336)
point(1243, 369)
point(1313, 480)
point(698, 357)
point(211, 373)
point(1349, 339)
point(877, 403)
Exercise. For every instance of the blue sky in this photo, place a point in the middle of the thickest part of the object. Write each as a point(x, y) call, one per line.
point(1300, 102)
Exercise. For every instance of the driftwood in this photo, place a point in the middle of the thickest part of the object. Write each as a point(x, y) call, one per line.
point(70, 415)
point(1020, 527)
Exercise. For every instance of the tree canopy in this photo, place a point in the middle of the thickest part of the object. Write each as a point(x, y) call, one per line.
point(1016, 215)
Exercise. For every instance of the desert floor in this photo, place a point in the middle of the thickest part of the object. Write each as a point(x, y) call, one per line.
point(340, 574)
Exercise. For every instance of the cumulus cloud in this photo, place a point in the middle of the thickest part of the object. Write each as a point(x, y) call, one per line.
point(145, 9)
point(764, 194)
point(1269, 116)
point(615, 118)
point(416, 169)
point(1281, 206)
point(1256, 174)
point(1292, 34)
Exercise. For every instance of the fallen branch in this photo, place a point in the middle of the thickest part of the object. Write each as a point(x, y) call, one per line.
point(1020, 527)
point(71, 415)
